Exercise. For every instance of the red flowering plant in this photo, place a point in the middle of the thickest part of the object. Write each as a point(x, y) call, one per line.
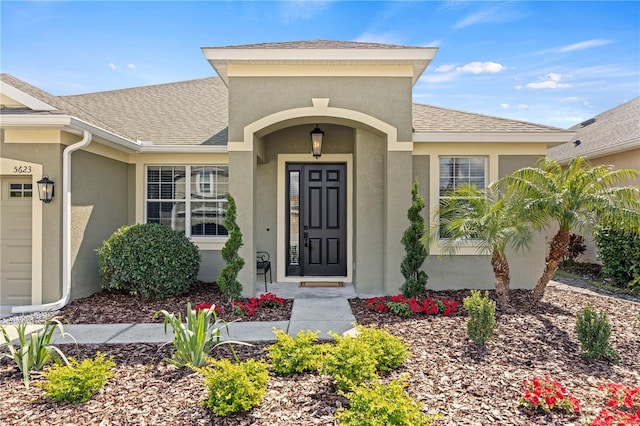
point(547, 395)
point(403, 306)
point(204, 305)
point(250, 307)
point(623, 406)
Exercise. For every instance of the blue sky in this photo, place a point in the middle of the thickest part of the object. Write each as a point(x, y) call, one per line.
point(555, 63)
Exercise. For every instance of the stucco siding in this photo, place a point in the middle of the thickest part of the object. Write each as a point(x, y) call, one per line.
point(99, 206)
point(369, 155)
point(242, 184)
point(508, 164)
point(388, 99)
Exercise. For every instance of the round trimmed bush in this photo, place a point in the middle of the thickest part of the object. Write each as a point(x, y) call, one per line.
point(150, 260)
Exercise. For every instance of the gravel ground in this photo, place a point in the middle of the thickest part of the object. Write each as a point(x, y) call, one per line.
point(446, 372)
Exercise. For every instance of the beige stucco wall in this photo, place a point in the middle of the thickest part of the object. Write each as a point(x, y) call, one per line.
point(386, 98)
point(99, 206)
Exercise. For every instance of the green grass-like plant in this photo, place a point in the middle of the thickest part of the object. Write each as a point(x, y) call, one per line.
point(389, 351)
point(377, 404)
point(234, 387)
point(594, 331)
point(194, 340)
point(78, 381)
point(482, 317)
point(350, 362)
point(401, 309)
point(295, 354)
point(35, 351)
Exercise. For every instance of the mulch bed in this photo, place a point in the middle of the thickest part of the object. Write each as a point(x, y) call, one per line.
point(449, 374)
point(110, 307)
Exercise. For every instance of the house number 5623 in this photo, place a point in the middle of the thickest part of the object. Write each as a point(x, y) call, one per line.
point(22, 169)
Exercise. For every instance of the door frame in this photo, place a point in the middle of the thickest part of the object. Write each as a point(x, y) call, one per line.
point(283, 159)
point(9, 168)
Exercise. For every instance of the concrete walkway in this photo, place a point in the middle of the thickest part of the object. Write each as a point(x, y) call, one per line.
point(309, 313)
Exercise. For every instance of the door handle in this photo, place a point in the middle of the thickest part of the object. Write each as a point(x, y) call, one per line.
point(305, 235)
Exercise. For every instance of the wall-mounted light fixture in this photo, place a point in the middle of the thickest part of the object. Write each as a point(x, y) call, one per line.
point(45, 189)
point(316, 141)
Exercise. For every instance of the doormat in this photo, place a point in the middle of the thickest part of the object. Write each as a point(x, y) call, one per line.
point(321, 284)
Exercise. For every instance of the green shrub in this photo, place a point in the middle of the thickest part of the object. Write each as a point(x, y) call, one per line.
point(389, 351)
point(594, 331)
point(37, 351)
point(194, 339)
point(620, 255)
point(150, 260)
point(350, 362)
point(234, 387)
point(482, 317)
point(415, 250)
point(376, 404)
point(402, 309)
point(78, 381)
point(228, 277)
point(295, 355)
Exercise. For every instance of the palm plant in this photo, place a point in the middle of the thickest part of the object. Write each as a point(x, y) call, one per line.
point(574, 198)
point(487, 219)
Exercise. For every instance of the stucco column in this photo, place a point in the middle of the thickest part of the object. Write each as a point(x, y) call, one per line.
point(242, 180)
point(398, 172)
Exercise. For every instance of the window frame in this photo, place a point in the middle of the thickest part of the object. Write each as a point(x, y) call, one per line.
point(191, 186)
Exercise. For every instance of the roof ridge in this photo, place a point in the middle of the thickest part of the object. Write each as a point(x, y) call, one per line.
point(173, 83)
point(316, 44)
point(62, 104)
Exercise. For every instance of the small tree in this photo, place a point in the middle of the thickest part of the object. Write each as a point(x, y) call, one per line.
point(575, 197)
point(228, 277)
point(416, 252)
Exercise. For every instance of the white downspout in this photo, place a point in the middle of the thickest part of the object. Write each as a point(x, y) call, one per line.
point(66, 232)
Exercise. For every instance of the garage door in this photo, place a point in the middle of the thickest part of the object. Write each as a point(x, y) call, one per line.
point(15, 240)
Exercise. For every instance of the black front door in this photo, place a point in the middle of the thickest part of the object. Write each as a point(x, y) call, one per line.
point(316, 220)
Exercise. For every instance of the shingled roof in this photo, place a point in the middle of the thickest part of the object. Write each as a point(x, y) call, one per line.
point(427, 118)
point(613, 131)
point(193, 112)
point(318, 44)
point(63, 107)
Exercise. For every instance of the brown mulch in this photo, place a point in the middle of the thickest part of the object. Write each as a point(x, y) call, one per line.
point(446, 372)
point(109, 307)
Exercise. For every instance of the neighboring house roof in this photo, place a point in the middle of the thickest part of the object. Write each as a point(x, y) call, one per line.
point(613, 131)
point(193, 112)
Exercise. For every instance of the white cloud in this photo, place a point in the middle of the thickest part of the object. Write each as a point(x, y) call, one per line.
point(112, 66)
point(301, 10)
point(502, 12)
point(550, 81)
point(385, 38)
point(505, 106)
point(481, 67)
point(523, 106)
point(583, 45)
point(587, 44)
point(434, 43)
point(131, 66)
point(445, 68)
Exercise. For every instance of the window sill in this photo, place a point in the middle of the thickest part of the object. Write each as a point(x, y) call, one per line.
point(209, 243)
point(468, 249)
